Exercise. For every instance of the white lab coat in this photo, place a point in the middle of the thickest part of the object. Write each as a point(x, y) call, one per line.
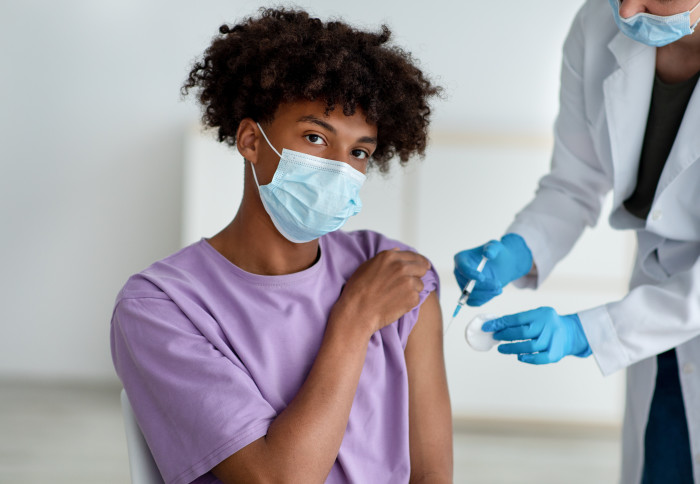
point(606, 84)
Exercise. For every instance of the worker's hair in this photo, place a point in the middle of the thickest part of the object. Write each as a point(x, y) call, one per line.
point(286, 55)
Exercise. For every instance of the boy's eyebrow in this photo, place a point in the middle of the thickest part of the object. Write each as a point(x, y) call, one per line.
point(368, 139)
point(309, 118)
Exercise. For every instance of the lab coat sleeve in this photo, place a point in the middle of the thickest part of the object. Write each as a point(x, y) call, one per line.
point(570, 196)
point(649, 320)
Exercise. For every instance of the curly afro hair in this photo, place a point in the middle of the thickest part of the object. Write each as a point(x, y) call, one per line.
point(286, 55)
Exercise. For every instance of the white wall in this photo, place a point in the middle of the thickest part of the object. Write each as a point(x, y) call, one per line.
point(91, 140)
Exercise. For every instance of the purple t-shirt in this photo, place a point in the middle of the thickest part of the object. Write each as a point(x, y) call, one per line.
point(209, 354)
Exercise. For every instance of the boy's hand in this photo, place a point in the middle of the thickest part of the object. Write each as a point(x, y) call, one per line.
point(383, 289)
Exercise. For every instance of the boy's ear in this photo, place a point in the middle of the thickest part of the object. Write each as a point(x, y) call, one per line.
point(247, 140)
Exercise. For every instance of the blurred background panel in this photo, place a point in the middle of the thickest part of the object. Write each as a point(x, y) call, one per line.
point(103, 170)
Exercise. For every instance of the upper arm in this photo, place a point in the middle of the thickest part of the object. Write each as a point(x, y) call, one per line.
point(430, 416)
point(244, 465)
point(195, 405)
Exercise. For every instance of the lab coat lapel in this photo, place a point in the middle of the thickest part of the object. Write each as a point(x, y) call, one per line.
point(627, 93)
point(686, 147)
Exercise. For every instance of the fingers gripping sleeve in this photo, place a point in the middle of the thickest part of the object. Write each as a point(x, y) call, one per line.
point(431, 283)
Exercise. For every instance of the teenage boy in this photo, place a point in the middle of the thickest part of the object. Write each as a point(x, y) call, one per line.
point(282, 349)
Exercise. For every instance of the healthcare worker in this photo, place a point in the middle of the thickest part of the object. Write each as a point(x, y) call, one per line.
point(629, 122)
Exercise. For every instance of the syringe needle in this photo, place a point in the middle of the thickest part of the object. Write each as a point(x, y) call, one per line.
point(466, 292)
point(450, 323)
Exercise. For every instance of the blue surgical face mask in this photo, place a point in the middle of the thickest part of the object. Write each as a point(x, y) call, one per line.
point(310, 196)
point(654, 30)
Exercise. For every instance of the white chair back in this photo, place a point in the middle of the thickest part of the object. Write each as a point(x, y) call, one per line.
point(141, 464)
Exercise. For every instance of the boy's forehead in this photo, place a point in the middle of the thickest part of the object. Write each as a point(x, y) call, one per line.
point(301, 111)
point(314, 112)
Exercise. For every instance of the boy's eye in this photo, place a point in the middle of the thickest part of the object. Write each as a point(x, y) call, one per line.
point(314, 138)
point(360, 154)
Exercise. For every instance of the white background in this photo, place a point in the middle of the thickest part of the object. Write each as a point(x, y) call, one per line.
point(93, 143)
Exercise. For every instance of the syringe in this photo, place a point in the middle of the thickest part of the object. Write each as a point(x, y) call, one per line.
point(466, 292)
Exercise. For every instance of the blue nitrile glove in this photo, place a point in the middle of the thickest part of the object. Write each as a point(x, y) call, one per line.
point(508, 259)
point(550, 337)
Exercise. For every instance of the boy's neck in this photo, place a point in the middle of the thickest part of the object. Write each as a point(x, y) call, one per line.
point(252, 243)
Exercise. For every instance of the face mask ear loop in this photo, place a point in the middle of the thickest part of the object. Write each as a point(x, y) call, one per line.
point(255, 177)
point(619, 4)
point(268, 141)
point(692, 27)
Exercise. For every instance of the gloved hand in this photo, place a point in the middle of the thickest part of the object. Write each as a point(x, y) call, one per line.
point(508, 259)
point(550, 337)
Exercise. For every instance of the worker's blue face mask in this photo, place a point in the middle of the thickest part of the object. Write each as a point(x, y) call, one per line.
point(310, 196)
point(654, 30)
